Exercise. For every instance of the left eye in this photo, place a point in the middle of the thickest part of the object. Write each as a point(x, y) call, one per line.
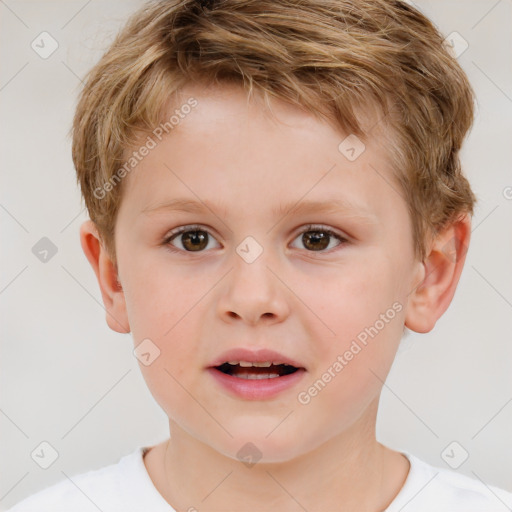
point(318, 238)
point(196, 239)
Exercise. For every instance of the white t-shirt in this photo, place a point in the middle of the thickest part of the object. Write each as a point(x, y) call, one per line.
point(127, 487)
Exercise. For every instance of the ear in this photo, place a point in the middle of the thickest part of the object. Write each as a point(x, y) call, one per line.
point(442, 269)
point(106, 273)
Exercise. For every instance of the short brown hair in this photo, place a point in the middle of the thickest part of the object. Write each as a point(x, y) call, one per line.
point(330, 57)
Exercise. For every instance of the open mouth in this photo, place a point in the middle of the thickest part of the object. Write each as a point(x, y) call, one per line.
point(267, 370)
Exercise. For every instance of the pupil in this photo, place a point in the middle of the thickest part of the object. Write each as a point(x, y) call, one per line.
point(315, 237)
point(197, 239)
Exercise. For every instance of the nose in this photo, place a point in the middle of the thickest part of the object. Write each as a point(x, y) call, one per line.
point(253, 292)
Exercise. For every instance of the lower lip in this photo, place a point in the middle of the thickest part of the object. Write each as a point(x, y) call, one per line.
point(256, 389)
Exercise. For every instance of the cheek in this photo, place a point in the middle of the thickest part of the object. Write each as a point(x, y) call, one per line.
point(362, 306)
point(174, 369)
point(351, 297)
point(159, 298)
point(350, 374)
point(160, 306)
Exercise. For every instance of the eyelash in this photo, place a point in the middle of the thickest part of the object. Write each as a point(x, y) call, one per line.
point(195, 227)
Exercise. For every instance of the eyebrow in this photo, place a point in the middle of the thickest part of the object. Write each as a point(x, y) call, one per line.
point(300, 207)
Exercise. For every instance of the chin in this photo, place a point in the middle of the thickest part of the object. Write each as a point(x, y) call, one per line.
point(254, 446)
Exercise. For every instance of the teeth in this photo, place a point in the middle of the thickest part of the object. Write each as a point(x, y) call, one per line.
point(248, 364)
point(261, 376)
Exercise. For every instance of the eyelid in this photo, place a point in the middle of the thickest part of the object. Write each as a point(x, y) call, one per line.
point(322, 227)
point(185, 228)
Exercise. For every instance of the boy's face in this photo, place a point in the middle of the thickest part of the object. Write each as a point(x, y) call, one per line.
point(307, 298)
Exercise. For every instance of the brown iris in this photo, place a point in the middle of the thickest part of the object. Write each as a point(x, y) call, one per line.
point(194, 240)
point(316, 240)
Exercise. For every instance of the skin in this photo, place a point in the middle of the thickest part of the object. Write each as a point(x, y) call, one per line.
point(307, 304)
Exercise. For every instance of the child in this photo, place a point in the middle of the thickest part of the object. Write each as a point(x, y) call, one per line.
point(216, 143)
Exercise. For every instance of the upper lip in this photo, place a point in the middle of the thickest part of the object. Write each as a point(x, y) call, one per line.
point(254, 356)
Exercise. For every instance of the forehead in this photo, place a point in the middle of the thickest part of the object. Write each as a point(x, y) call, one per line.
point(245, 152)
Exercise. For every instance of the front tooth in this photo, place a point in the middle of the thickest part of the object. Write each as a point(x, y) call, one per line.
point(247, 364)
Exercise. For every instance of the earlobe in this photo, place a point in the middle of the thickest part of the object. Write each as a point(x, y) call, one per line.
point(107, 276)
point(442, 269)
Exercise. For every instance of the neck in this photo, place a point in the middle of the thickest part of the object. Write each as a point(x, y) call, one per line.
point(351, 471)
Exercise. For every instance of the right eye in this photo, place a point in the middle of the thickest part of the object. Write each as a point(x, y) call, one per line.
point(191, 239)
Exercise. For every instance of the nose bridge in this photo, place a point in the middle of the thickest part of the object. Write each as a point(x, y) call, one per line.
point(252, 290)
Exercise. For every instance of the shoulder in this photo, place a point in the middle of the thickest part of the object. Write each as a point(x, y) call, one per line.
point(94, 490)
point(430, 488)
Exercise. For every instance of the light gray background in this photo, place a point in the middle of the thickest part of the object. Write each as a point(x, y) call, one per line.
point(68, 380)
